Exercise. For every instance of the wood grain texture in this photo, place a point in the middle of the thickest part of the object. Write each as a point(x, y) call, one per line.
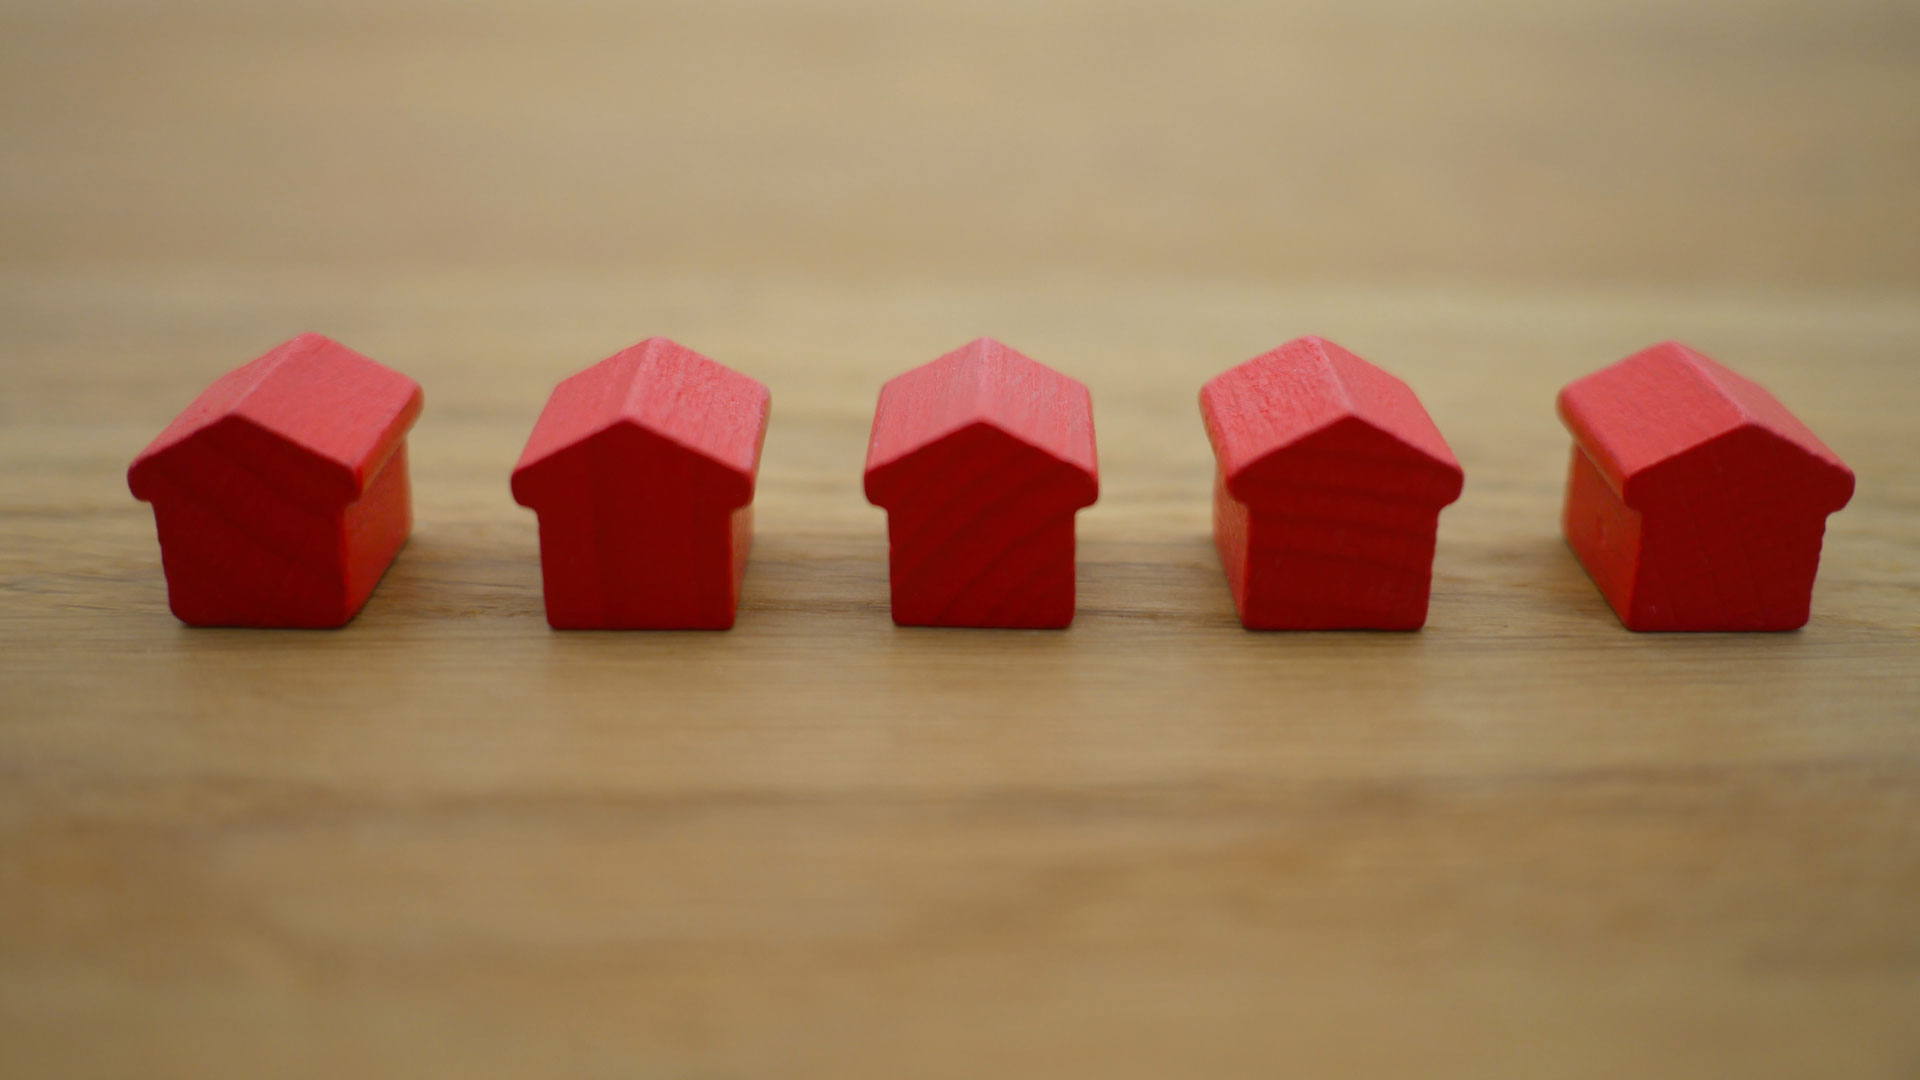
point(447, 841)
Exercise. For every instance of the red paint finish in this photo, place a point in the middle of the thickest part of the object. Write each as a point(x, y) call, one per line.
point(281, 493)
point(981, 459)
point(1696, 500)
point(642, 471)
point(1327, 497)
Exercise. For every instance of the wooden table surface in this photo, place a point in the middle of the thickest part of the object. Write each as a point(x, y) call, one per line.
point(446, 841)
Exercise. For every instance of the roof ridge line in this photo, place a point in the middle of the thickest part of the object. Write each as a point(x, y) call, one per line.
point(630, 361)
point(275, 359)
point(1320, 345)
point(1703, 366)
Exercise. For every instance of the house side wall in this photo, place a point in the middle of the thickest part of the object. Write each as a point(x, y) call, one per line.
point(1012, 570)
point(1726, 569)
point(984, 536)
point(240, 551)
point(634, 535)
point(1604, 533)
point(620, 563)
point(1318, 560)
point(376, 527)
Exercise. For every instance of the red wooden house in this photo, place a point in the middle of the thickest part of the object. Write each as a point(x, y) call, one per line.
point(281, 493)
point(981, 459)
point(642, 471)
point(1330, 481)
point(1695, 499)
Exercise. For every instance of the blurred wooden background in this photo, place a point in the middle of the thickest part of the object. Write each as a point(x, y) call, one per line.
point(447, 842)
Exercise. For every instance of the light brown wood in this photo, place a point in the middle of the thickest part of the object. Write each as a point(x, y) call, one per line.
point(447, 842)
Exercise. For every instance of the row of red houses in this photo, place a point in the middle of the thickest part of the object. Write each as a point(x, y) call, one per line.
point(1695, 500)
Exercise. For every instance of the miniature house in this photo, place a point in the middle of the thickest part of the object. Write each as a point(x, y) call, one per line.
point(1695, 500)
point(981, 459)
point(281, 493)
point(1328, 491)
point(642, 470)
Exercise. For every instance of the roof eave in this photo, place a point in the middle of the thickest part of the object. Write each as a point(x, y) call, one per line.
point(884, 479)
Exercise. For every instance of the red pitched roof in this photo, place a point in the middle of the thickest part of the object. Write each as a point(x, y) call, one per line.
point(669, 391)
point(981, 383)
point(1646, 415)
point(318, 415)
point(1274, 418)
